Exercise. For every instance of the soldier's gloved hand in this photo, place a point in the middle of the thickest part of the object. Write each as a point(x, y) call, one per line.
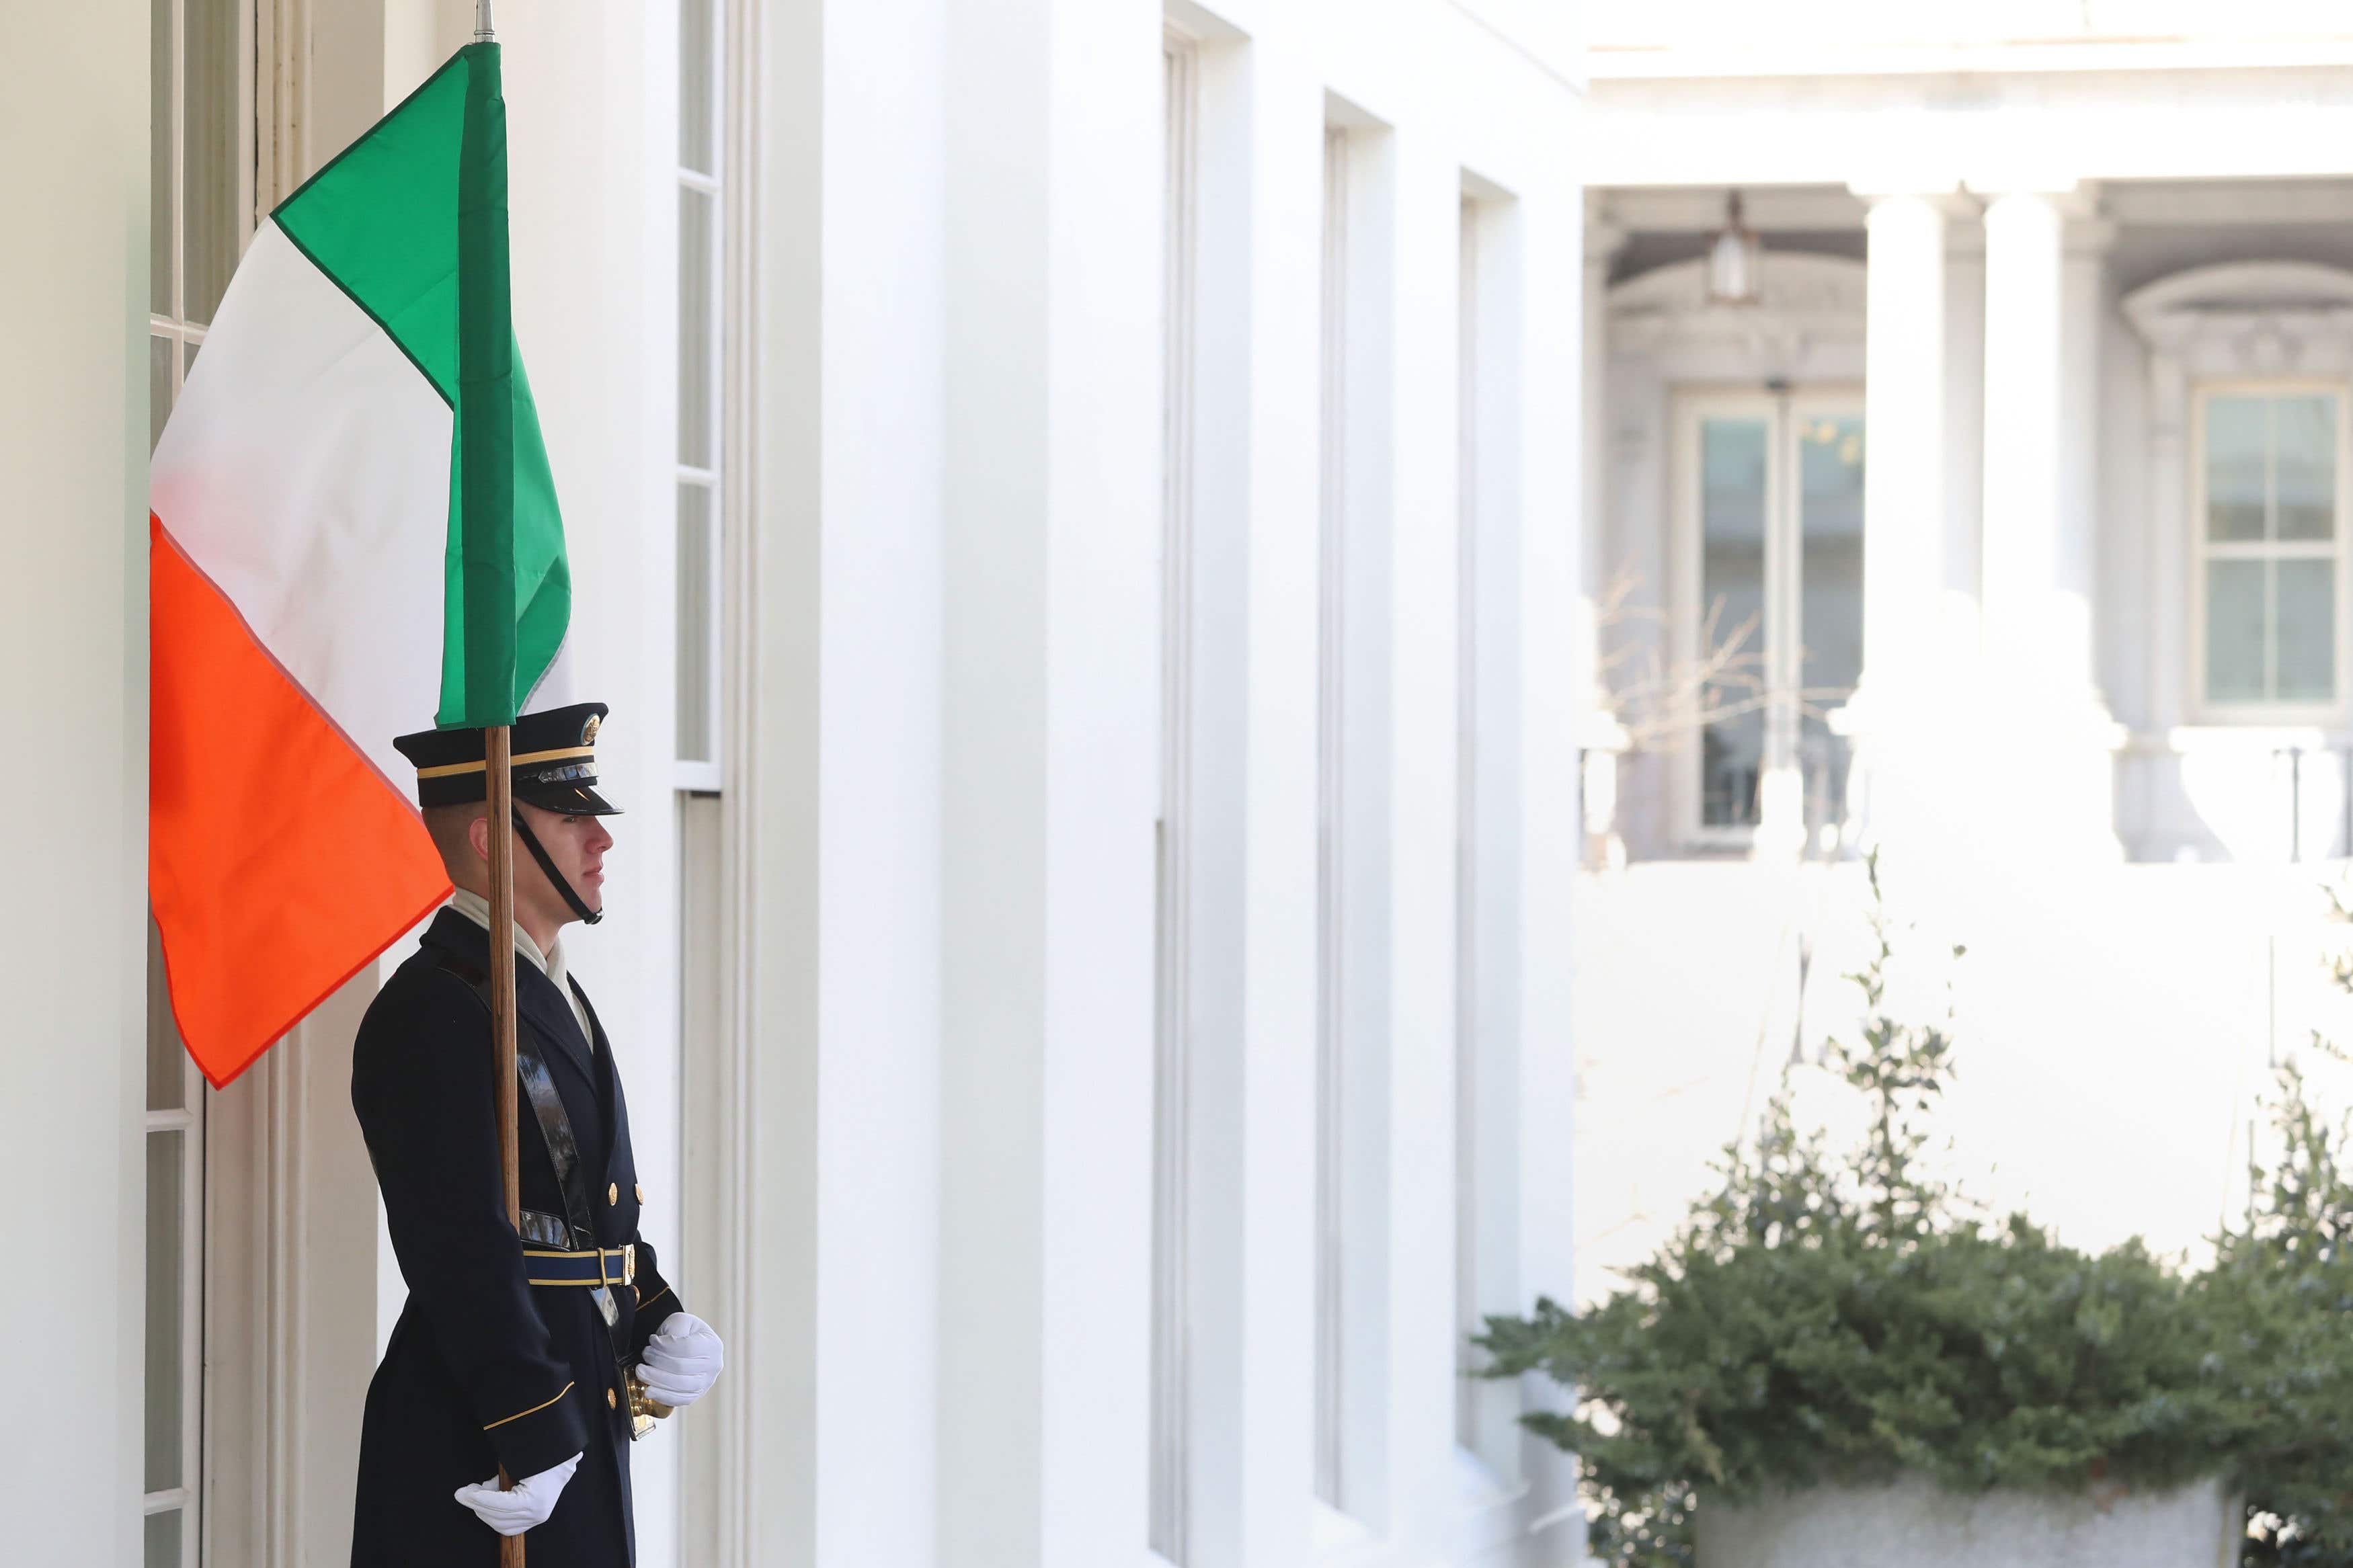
point(681, 1361)
point(527, 1505)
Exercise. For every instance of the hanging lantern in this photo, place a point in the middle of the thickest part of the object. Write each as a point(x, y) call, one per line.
point(1735, 260)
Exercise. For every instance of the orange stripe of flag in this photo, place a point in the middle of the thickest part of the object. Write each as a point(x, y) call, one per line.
point(280, 861)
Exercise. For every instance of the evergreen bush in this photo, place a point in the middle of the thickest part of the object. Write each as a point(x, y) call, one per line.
point(1834, 1316)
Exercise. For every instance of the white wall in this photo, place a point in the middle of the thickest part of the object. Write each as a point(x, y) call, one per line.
point(837, 796)
point(2113, 1029)
point(73, 552)
point(952, 770)
point(943, 792)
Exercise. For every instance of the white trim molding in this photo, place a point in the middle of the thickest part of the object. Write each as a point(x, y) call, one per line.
point(2239, 321)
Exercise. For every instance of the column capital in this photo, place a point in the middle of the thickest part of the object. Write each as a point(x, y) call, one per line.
point(2071, 197)
point(1941, 190)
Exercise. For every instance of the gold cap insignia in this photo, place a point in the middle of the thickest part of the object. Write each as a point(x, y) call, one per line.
point(588, 732)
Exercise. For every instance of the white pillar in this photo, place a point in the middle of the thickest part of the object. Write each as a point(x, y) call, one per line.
point(1601, 740)
point(2042, 696)
point(2024, 355)
point(73, 639)
point(1903, 419)
point(1902, 509)
point(828, 1138)
point(1049, 779)
point(1248, 1421)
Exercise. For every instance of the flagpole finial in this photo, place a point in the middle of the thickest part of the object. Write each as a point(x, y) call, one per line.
point(483, 32)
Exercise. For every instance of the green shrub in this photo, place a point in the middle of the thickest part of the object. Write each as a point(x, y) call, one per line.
point(1842, 1316)
point(2281, 1292)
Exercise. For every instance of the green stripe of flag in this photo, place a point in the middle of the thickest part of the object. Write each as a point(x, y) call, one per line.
point(410, 222)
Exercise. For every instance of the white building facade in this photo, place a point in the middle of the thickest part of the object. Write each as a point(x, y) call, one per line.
point(2004, 531)
point(1074, 507)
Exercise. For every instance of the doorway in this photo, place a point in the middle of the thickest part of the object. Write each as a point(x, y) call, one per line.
point(1768, 629)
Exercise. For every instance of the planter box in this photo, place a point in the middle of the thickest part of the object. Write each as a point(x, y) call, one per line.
point(1916, 1524)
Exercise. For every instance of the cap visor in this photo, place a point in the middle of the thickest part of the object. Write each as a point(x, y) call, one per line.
point(569, 800)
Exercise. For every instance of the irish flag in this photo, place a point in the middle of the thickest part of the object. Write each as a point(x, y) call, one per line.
point(354, 531)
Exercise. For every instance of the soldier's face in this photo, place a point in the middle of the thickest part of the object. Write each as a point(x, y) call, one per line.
point(578, 845)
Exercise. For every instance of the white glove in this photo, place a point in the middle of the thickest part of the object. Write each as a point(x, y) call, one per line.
point(681, 1361)
point(529, 1504)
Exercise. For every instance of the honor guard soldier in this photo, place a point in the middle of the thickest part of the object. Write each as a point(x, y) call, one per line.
point(542, 1352)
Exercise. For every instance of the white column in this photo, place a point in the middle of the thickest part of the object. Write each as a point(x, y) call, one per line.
point(73, 643)
point(1601, 740)
point(1248, 1418)
point(2168, 532)
point(2024, 356)
point(2083, 321)
point(2042, 696)
point(1425, 494)
point(1903, 419)
point(1902, 509)
point(1050, 778)
point(1544, 845)
point(832, 1258)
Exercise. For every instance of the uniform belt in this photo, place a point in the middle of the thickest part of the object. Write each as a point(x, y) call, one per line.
point(606, 1266)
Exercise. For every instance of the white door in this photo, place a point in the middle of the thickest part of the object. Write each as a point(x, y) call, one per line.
point(1768, 632)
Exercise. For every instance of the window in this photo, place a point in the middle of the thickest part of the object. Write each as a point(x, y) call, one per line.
point(701, 455)
point(201, 185)
point(719, 71)
point(175, 1284)
point(1171, 1272)
point(1770, 639)
point(2270, 551)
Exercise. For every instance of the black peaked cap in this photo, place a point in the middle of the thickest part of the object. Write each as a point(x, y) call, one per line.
point(554, 762)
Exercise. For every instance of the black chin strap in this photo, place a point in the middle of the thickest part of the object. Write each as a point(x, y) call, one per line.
point(539, 852)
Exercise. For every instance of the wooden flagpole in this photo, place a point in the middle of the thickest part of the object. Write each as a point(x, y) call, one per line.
point(500, 778)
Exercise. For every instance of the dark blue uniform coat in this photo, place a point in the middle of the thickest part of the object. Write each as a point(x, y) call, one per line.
point(485, 1369)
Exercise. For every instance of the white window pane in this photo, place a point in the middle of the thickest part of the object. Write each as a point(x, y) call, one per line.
point(159, 158)
point(2235, 631)
point(158, 388)
point(2304, 431)
point(163, 1540)
point(696, 58)
point(2307, 630)
point(163, 1300)
point(1731, 628)
point(695, 237)
point(696, 613)
point(2236, 449)
point(215, 111)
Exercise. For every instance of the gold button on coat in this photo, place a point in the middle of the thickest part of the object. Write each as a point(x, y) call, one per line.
point(612, 1400)
point(613, 1194)
point(641, 1191)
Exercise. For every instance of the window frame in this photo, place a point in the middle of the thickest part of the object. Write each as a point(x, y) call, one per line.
point(1784, 414)
point(706, 774)
point(187, 1119)
point(2203, 708)
point(179, 338)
